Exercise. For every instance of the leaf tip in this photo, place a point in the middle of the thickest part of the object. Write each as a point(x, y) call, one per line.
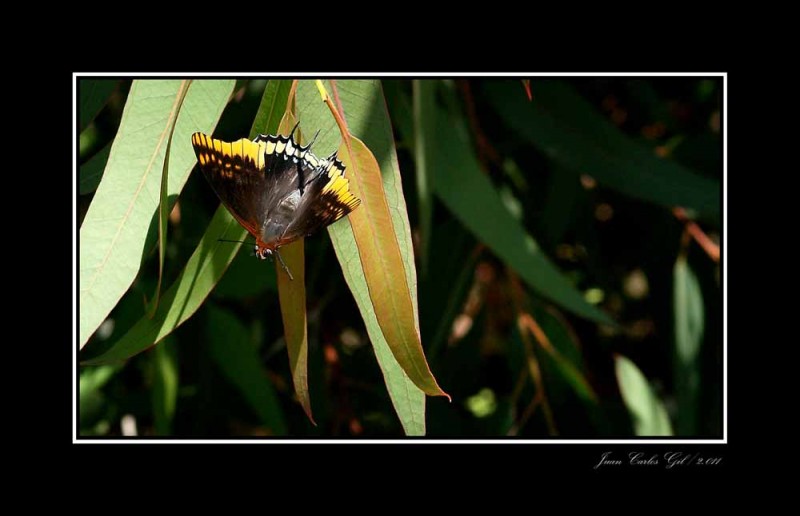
point(440, 392)
point(307, 410)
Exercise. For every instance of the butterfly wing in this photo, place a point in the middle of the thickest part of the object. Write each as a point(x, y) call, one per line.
point(326, 199)
point(236, 174)
point(276, 189)
point(252, 177)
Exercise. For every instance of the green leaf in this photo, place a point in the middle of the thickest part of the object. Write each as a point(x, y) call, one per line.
point(648, 412)
point(382, 263)
point(91, 172)
point(565, 127)
point(292, 294)
point(92, 96)
point(185, 295)
point(113, 233)
point(367, 118)
point(163, 201)
point(165, 387)
point(204, 268)
point(235, 354)
point(407, 398)
point(689, 320)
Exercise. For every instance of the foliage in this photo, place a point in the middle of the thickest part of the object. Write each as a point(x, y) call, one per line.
point(556, 243)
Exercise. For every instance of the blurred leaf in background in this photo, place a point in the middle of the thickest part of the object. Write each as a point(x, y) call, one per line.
point(648, 412)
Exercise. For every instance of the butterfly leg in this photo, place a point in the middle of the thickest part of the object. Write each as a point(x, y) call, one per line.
point(280, 259)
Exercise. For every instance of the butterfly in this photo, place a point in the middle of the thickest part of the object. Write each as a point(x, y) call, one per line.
point(278, 190)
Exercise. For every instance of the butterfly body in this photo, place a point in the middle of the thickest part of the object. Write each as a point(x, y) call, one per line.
point(276, 189)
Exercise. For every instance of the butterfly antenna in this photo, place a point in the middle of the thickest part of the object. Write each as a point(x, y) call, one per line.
point(280, 259)
point(232, 241)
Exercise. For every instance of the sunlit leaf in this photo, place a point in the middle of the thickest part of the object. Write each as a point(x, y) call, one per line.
point(163, 202)
point(292, 294)
point(203, 269)
point(383, 266)
point(367, 118)
point(113, 233)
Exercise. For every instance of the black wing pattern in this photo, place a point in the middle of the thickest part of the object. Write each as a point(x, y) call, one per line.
point(277, 190)
point(327, 199)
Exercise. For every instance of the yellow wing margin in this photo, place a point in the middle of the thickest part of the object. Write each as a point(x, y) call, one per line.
point(223, 154)
point(339, 187)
